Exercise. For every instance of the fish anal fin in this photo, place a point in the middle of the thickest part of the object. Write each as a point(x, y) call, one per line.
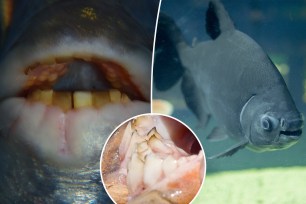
point(217, 134)
point(229, 152)
point(194, 99)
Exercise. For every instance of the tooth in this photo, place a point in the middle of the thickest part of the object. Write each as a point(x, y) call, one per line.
point(158, 146)
point(152, 170)
point(46, 97)
point(125, 98)
point(114, 95)
point(100, 99)
point(34, 96)
point(169, 165)
point(143, 150)
point(135, 173)
point(82, 99)
point(63, 100)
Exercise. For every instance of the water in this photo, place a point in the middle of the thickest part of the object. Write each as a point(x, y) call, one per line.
point(279, 27)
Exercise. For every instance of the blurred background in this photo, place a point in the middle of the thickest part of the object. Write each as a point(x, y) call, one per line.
point(279, 27)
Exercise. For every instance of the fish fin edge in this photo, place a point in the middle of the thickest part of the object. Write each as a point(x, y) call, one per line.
point(216, 135)
point(230, 151)
point(217, 19)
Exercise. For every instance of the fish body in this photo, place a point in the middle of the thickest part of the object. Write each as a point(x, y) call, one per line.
point(50, 151)
point(232, 79)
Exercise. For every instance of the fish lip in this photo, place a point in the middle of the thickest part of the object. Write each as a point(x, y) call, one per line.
point(132, 90)
point(286, 139)
point(292, 134)
point(137, 62)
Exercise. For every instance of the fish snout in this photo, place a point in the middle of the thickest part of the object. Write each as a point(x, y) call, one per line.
point(291, 128)
point(292, 124)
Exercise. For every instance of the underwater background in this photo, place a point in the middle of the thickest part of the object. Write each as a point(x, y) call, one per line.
point(279, 27)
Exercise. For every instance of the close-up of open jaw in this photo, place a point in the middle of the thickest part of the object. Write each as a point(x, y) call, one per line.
point(152, 158)
point(63, 93)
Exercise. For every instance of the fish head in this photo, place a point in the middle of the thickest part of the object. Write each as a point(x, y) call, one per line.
point(271, 125)
point(66, 49)
point(71, 71)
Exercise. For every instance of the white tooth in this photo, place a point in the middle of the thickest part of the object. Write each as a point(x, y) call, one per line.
point(125, 98)
point(135, 174)
point(169, 165)
point(152, 170)
point(100, 99)
point(82, 99)
point(143, 150)
point(114, 95)
point(158, 146)
point(63, 100)
point(46, 97)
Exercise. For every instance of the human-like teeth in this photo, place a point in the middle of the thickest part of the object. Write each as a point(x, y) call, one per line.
point(77, 99)
point(115, 96)
point(169, 165)
point(152, 170)
point(158, 146)
point(100, 99)
point(63, 100)
point(135, 173)
point(125, 98)
point(82, 99)
point(44, 96)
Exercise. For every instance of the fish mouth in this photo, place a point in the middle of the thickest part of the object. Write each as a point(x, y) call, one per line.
point(74, 83)
point(287, 138)
point(143, 160)
point(294, 135)
point(62, 120)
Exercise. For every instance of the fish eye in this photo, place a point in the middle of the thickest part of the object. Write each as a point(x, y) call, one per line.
point(266, 123)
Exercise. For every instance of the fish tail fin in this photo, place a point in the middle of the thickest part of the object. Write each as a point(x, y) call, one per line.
point(217, 19)
point(168, 68)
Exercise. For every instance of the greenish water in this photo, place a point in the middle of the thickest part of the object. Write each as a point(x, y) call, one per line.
point(254, 186)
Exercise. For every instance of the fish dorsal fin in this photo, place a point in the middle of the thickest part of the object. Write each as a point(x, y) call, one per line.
point(217, 19)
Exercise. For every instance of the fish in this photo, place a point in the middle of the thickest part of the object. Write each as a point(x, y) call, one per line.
point(231, 79)
point(71, 72)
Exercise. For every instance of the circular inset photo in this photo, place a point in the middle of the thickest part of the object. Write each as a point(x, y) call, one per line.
point(152, 158)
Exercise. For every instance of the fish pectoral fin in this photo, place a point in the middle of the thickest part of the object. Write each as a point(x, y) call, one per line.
point(217, 134)
point(229, 152)
point(194, 98)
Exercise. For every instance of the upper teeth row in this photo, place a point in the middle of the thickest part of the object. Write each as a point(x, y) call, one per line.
point(78, 99)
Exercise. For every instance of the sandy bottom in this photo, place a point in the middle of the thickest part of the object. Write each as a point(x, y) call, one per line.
point(255, 186)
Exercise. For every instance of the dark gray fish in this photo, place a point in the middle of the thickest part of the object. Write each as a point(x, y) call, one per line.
point(232, 79)
point(49, 154)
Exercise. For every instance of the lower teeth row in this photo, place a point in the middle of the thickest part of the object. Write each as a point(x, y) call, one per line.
point(77, 99)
